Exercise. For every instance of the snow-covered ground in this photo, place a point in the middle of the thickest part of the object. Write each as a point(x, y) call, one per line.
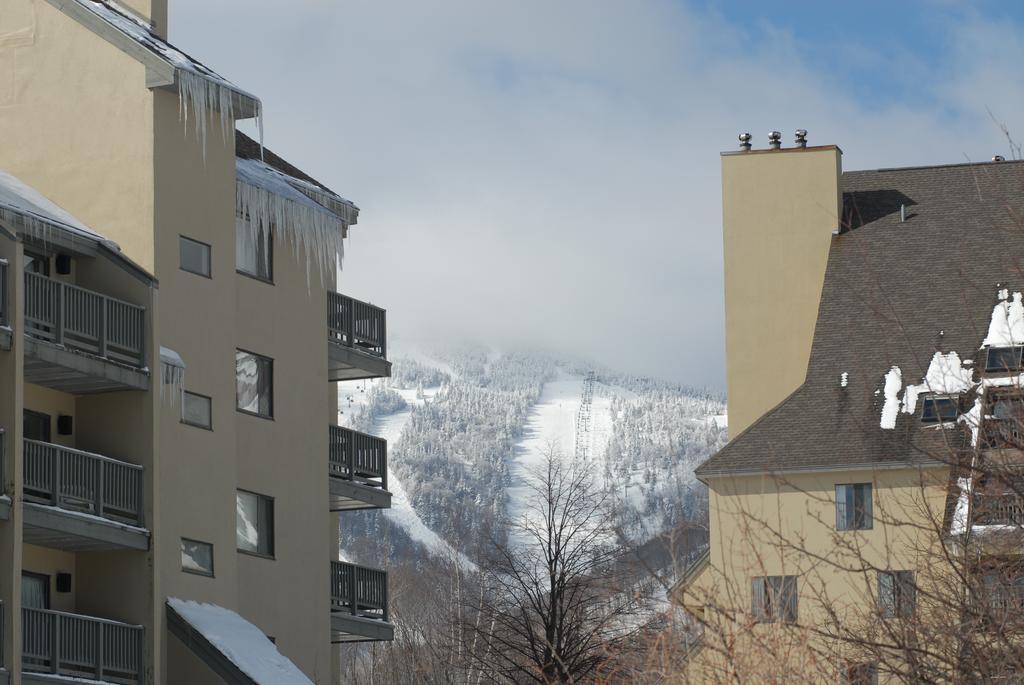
point(552, 426)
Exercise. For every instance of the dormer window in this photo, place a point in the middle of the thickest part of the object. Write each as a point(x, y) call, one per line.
point(1004, 358)
point(940, 409)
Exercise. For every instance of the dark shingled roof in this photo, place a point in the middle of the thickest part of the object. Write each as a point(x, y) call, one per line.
point(894, 294)
point(247, 148)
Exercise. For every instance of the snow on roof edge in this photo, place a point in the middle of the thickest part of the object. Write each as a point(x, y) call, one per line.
point(240, 642)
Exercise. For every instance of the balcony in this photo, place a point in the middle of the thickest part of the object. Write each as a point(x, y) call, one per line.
point(72, 646)
point(5, 317)
point(359, 604)
point(357, 339)
point(358, 471)
point(82, 502)
point(999, 510)
point(78, 341)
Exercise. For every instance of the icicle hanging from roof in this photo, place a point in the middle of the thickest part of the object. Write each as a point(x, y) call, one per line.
point(267, 199)
point(172, 375)
point(199, 95)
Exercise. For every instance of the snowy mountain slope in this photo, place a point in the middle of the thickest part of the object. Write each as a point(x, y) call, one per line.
point(462, 451)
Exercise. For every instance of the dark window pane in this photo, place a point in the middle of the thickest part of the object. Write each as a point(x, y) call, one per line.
point(195, 256)
point(1003, 358)
point(37, 264)
point(897, 594)
point(938, 409)
point(36, 426)
point(788, 603)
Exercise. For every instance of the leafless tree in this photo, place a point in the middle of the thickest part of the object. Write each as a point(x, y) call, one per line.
point(557, 596)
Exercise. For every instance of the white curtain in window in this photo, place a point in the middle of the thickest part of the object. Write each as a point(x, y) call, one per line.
point(33, 592)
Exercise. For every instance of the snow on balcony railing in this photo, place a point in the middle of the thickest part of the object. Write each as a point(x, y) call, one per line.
point(359, 591)
point(352, 323)
point(358, 457)
point(81, 481)
point(84, 320)
point(77, 646)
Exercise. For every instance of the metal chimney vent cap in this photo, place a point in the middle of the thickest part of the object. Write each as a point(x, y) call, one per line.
point(745, 139)
point(774, 140)
point(801, 137)
point(998, 158)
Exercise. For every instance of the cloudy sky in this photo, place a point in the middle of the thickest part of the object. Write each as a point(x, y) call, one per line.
point(547, 172)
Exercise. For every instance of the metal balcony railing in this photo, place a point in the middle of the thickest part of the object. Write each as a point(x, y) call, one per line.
point(81, 647)
point(359, 591)
point(81, 481)
point(81, 319)
point(999, 510)
point(4, 315)
point(358, 457)
point(357, 324)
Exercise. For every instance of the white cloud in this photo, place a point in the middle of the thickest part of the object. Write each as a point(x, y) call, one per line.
point(548, 172)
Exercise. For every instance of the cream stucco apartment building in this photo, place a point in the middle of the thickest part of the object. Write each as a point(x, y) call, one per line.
point(172, 471)
point(865, 517)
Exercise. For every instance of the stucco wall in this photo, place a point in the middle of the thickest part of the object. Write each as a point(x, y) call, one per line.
point(785, 525)
point(779, 209)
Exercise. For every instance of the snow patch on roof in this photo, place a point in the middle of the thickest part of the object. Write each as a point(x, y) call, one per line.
point(241, 642)
point(1006, 327)
point(893, 384)
point(946, 375)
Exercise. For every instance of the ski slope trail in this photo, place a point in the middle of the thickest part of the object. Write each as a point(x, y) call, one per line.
point(402, 513)
point(551, 426)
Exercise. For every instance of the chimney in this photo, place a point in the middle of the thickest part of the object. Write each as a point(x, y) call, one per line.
point(774, 140)
point(801, 137)
point(154, 12)
point(779, 210)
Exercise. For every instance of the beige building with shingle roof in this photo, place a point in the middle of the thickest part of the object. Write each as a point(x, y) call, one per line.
point(171, 467)
point(867, 409)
